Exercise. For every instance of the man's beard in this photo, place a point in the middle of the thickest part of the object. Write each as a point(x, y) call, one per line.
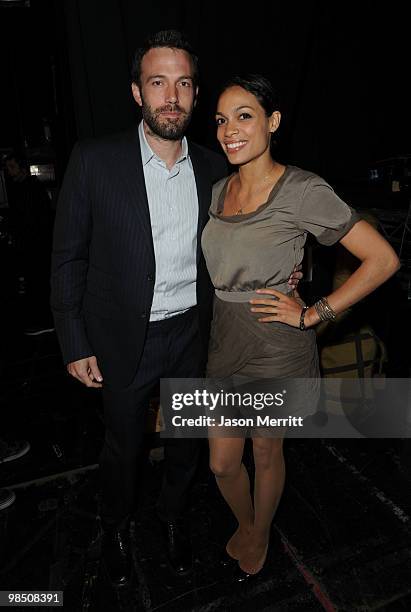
point(165, 127)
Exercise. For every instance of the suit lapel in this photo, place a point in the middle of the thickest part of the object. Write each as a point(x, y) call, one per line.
point(203, 183)
point(132, 175)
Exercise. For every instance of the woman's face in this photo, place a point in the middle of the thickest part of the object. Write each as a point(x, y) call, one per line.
point(243, 128)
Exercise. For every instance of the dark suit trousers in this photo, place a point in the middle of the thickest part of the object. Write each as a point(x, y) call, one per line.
point(172, 350)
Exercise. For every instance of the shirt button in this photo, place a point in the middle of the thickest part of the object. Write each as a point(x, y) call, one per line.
point(150, 277)
point(143, 315)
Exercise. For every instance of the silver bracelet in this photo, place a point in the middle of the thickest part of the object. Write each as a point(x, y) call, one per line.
point(324, 310)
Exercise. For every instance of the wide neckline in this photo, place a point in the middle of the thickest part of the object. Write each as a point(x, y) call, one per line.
point(238, 218)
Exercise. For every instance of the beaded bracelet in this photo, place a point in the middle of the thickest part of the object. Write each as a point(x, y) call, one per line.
point(302, 315)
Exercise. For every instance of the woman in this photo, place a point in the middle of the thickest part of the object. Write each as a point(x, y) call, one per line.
point(259, 220)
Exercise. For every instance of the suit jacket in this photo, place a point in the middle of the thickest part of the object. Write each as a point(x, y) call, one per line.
point(103, 265)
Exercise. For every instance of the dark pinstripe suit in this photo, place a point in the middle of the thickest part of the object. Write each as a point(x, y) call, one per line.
point(103, 271)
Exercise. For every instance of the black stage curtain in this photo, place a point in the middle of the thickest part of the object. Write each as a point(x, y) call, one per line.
point(342, 69)
point(339, 67)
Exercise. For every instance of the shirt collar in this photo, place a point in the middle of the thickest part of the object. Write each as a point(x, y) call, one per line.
point(147, 152)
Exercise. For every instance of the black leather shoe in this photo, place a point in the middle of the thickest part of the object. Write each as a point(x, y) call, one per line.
point(117, 555)
point(178, 547)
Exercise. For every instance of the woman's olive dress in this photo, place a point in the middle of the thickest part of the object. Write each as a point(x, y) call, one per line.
point(259, 250)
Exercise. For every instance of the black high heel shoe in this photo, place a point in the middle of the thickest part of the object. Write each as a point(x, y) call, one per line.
point(225, 560)
point(242, 577)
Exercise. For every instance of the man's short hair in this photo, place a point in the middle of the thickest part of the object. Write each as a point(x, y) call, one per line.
point(171, 39)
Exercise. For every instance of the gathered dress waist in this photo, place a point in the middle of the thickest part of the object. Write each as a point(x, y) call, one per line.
point(245, 296)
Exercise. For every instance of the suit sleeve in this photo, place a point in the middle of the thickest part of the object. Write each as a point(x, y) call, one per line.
point(69, 265)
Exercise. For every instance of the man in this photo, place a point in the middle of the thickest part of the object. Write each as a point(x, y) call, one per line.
point(131, 295)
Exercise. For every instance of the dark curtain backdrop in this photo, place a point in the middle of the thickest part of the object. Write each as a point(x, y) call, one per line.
point(342, 69)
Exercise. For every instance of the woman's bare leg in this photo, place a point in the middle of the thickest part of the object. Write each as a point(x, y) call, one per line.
point(268, 487)
point(233, 481)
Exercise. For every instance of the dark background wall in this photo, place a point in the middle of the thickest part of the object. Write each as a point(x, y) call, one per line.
point(342, 70)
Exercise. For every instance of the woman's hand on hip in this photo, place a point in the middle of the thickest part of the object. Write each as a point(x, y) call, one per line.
point(278, 307)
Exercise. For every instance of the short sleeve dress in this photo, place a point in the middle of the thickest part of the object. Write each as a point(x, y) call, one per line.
point(259, 250)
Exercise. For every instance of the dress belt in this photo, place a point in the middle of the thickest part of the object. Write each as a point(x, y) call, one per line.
point(245, 296)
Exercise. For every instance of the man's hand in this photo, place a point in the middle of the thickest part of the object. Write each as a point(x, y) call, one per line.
point(86, 371)
point(295, 276)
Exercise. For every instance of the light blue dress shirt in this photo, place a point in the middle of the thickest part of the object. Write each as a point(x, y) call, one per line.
point(173, 205)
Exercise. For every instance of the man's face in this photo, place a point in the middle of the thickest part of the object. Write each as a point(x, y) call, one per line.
point(167, 93)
